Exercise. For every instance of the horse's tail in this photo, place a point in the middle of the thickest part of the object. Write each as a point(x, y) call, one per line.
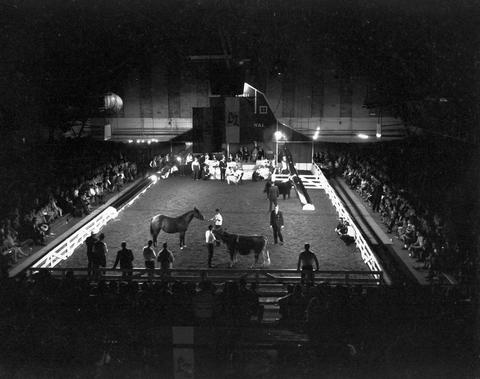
point(266, 254)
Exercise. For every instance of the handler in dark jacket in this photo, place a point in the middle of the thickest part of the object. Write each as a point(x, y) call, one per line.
point(99, 256)
point(125, 257)
point(273, 194)
point(276, 223)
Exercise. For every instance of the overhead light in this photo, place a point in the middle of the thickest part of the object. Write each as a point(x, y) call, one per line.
point(362, 136)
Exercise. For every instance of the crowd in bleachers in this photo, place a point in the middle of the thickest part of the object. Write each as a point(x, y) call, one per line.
point(375, 320)
point(46, 315)
point(63, 185)
point(70, 310)
point(414, 200)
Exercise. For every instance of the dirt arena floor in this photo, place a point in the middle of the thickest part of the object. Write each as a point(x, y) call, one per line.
point(245, 211)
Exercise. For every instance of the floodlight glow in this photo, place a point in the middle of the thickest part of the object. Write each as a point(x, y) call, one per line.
point(362, 136)
point(278, 135)
point(153, 178)
point(379, 135)
point(130, 140)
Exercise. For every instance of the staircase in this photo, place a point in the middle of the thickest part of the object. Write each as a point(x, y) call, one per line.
point(269, 295)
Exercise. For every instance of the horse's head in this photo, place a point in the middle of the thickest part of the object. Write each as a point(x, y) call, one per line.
point(197, 214)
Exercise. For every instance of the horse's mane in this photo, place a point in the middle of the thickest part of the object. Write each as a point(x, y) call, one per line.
point(186, 213)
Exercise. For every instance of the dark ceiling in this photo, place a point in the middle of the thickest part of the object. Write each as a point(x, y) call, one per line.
point(420, 56)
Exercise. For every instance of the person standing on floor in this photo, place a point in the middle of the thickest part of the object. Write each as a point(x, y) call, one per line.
point(165, 258)
point(210, 241)
point(223, 168)
point(149, 257)
point(276, 223)
point(273, 193)
point(196, 169)
point(306, 259)
point(90, 242)
point(99, 256)
point(125, 257)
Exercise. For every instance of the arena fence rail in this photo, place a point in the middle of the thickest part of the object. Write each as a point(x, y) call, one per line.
point(366, 252)
point(262, 276)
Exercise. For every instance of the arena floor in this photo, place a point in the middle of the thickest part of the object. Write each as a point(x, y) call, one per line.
point(245, 211)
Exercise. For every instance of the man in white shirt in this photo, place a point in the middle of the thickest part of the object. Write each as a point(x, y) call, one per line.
point(217, 219)
point(210, 241)
point(149, 256)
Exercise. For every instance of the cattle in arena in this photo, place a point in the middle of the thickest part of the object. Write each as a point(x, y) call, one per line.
point(284, 188)
point(243, 245)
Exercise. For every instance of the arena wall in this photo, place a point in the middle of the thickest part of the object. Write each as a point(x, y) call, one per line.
point(158, 104)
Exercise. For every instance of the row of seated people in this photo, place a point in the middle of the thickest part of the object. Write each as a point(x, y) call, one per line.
point(422, 230)
point(177, 303)
point(354, 314)
point(51, 312)
point(25, 226)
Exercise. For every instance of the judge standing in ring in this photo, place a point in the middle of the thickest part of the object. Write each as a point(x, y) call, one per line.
point(276, 223)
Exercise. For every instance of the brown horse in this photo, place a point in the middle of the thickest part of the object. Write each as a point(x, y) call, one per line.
point(173, 225)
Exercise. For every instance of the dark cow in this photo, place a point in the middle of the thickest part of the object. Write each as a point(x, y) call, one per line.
point(284, 188)
point(244, 245)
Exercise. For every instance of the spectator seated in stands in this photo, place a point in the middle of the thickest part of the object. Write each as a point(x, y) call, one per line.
point(417, 249)
point(249, 303)
point(408, 234)
point(206, 171)
point(345, 231)
point(283, 303)
point(234, 176)
point(263, 172)
point(296, 307)
point(204, 302)
point(38, 232)
point(11, 248)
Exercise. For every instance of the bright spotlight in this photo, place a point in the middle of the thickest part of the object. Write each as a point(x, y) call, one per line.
point(278, 135)
point(154, 178)
point(379, 135)
point(362, 136)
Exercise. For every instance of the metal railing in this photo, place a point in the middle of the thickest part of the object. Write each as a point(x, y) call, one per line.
point(261, 276)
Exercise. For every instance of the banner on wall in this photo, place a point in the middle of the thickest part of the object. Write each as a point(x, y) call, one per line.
point(232, 120)
point(232, 111)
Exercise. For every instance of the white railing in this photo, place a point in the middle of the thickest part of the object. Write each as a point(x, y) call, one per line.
point(311, 181)
point(365, 251)
point(66, 248)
